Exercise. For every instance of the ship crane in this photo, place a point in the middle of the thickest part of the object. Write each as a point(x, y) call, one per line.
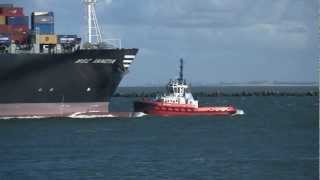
point(94, 32)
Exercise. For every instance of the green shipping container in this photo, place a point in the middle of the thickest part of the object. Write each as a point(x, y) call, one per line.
point(2, 20)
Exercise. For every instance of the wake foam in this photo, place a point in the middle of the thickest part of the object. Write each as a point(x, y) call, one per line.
point(23, 117)
point(239, 112)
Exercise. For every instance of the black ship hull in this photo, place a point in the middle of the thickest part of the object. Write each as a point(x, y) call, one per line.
point(61, 84)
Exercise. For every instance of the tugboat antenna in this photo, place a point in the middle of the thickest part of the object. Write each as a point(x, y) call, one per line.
point(181, 70)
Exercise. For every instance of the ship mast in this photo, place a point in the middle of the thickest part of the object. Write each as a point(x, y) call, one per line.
point(94, 32)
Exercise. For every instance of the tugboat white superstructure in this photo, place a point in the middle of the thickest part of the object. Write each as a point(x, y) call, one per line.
point(178, 101)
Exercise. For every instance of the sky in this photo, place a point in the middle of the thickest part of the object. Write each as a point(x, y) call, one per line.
point(220, 40)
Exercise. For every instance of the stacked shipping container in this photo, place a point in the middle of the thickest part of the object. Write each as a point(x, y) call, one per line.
point(2, 20)
point(42, 22)
point(14, 26)
point(48, 39)
point(11, 11)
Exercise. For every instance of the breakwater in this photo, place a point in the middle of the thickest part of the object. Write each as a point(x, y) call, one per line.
point(222, 91)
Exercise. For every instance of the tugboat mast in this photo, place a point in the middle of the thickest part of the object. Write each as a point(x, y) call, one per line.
point(181, 71)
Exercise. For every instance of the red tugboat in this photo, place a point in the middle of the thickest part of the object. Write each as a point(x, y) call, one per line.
point(179, 102)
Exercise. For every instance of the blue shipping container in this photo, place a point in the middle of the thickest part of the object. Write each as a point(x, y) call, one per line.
point(5, 39)
point(42, 19)
point(18, 20)
point(43, 28)
point(67, 39)
point(42, 14)
point(78, 40)
point(67, 36)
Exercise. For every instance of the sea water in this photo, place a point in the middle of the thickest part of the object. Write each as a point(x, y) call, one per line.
point(277, 138)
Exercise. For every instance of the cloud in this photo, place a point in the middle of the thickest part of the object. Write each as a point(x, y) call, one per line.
point(225, 34)
point(42, 4)
point(205, 14)
point(107, 2)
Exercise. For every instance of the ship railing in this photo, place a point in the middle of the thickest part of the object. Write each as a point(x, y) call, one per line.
point(105, 44)
point(113, 43)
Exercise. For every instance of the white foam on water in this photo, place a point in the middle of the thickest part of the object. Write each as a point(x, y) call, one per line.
point(138, 114)
point(83, 115)
point(77, 115)
point(92, 116)
point(23, 117)
point(239, 112)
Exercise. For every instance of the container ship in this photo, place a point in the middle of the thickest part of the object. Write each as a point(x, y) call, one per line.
point(45, 74)
point(178, 101)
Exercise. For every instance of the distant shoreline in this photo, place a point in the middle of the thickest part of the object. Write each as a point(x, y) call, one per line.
point(231, 85)
point(222, 91)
